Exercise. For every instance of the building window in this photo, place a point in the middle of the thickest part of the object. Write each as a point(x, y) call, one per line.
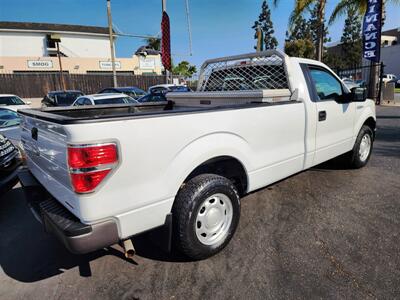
point(50, 42)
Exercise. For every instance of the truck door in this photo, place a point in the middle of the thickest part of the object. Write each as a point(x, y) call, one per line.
point(336, 113)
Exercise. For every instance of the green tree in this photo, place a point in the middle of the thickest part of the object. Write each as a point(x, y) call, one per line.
point(351, 38)
point(264, 23)
point(185, 69)
point(361, 5)
point(319, 31)
point(298, 40)
point(334, 60)
point(153, 43)
point(299, 30)
point(300, 48)
point(317, 14)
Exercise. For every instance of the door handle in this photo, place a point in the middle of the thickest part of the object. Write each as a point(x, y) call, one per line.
point(322, 115)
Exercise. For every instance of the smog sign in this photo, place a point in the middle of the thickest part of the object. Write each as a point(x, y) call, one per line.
point(108, 65)
point(45, 64)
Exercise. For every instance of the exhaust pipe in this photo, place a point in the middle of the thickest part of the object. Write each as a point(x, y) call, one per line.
point(128, 248)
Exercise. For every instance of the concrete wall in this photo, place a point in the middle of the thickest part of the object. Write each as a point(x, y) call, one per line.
point(72, 45)
point(391, 59)
point(22, 44)
point(85, 46)
point(74, 65)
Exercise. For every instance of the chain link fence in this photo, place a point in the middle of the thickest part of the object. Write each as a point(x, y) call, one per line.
point(243, 73)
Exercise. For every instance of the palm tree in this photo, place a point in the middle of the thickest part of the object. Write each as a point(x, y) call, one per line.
point(342, 8)
point(343, 5)
point(300, 7)
point(153, 43)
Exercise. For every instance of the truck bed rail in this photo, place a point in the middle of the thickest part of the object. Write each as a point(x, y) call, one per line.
point(266, 70)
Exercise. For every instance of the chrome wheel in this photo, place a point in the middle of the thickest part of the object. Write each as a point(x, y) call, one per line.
point(213, 219)
point(365, 147)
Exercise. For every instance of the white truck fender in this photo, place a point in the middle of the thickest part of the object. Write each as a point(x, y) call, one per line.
point(368, 112)
point(202, 149)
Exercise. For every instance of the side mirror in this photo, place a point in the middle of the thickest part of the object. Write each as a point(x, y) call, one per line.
point(358, 94)
point(28, 102)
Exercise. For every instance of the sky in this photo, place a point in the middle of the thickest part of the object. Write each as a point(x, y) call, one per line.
point(219, 27)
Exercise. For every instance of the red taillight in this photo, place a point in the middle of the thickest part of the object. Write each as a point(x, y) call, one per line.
point(92, 156)
point(87, 182)
point(89, 165)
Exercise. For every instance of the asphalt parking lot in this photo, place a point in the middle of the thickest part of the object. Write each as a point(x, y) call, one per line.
point(325, 233)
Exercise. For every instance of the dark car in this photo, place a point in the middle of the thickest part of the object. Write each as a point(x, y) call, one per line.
point(60, 98)
point(361, 83)
point(153, 97)
point(166, 88)
point(10, 160)
point(131, 91)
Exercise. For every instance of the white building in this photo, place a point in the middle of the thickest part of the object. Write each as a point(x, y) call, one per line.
point(26, 47)
point(33, 39)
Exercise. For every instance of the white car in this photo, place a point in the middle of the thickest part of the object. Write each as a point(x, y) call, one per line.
point(9, 124)
point(350, 83)
point(113, 172)
point(13, 102)
point(389, 77)
point(103, 99)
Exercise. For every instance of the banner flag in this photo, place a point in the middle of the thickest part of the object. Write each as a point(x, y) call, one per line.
point(165, 42)
point(372, 31)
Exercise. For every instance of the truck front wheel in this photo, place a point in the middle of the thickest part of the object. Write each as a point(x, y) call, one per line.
point(206, 213)
point(362, 149)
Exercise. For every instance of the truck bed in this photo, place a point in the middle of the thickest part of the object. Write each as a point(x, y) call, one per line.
point(178, 103)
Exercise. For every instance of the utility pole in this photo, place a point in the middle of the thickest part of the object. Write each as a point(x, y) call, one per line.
point(111, 34)
point(321, 30)
point(61, 69)
point(56, 39)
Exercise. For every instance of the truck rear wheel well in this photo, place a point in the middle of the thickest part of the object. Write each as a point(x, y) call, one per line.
point(225, 166)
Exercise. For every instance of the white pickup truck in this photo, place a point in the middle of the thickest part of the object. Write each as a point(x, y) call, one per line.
point(100, 175)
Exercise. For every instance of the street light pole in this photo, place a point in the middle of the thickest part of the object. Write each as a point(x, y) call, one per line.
point(111, 35)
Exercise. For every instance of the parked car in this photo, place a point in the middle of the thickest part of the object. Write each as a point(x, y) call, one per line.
point(101, 99)
point(395, 81)
point(131, 91)
point(115, 172)
point(9, 125)
point(60, 98)
point(350, 83)
point(13, 102)
point(361, 83)
point(153, 97)
point(165, 88)
point(388, 77)
point(10, 160)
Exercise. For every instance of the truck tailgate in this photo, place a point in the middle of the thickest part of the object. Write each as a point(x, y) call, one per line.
point(45, 144)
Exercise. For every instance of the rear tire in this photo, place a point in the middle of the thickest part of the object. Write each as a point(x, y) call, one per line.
point(206, 213)
point(359, 156)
